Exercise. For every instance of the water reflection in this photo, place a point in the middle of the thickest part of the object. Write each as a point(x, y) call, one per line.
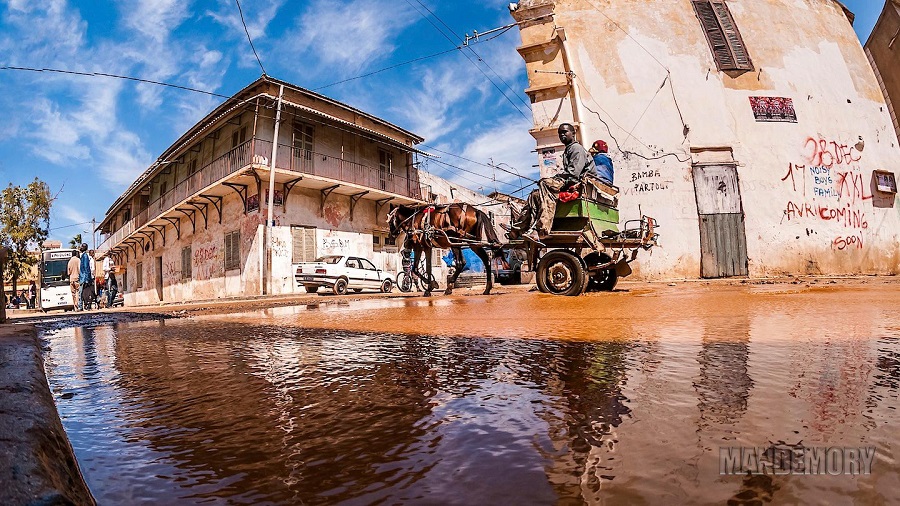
point(261, 408)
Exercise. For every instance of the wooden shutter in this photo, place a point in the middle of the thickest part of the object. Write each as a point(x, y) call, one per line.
point(232, 251)
point(723, 36)
point(304, 244)
point(186, 263)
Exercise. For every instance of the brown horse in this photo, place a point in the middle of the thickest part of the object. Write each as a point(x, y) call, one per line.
point(451, 226)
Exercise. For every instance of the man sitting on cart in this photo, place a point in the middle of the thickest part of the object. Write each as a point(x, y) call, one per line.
point(537, 215)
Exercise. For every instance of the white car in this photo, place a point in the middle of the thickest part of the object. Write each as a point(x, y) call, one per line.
point(341, 273)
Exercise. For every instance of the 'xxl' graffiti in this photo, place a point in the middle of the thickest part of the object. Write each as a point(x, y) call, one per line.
point(828, 187)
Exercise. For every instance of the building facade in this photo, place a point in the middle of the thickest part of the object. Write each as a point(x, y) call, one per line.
point(883, 53)
point(193, 225)
point(754, 131)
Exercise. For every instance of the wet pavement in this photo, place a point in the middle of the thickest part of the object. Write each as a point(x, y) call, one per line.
point(518, 398)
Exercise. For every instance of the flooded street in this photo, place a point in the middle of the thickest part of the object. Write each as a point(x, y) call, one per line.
point(518, 398)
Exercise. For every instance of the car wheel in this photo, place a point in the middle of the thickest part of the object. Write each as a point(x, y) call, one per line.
point(387, 286)
point(340, 287)
point(311, 289)
point(357, 290)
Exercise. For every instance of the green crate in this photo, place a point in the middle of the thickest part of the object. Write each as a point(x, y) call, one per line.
point(574, 216)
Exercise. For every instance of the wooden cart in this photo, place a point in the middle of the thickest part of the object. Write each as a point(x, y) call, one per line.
point(586, 249)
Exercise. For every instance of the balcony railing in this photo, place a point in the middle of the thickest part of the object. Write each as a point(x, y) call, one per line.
point(258, 151)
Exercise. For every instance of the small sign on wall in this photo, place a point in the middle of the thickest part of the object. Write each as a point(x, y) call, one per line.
point(253, 202)
point(885, 181)
point(773, 109)
point(279, 198)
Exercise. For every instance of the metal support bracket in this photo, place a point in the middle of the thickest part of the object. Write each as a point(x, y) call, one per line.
point(216, 201)
point(191, 214)
point(202, 207)
point(325, 193)
point(381, 203)
point(151, 237)
point(354, 199)
point(252, 172)
point(176, 223)
point(241, 190)
point(288, 186)
point(162, 232)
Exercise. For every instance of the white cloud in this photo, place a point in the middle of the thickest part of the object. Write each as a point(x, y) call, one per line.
point(154, 19)
point(257, 15)
point(55, 137)
point(349, 35)
point(70, 213)
point(122, 158)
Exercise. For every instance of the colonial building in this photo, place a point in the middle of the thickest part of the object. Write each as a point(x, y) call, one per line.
point(754, 131)
point(319, 173)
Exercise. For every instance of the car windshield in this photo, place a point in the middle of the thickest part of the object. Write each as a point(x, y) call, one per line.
point(330, 259)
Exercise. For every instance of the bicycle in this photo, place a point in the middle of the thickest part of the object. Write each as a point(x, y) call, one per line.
point(406, 281)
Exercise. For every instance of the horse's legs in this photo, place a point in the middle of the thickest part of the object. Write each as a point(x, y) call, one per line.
point(482, 254)
point(459, 263)
point(428, 275)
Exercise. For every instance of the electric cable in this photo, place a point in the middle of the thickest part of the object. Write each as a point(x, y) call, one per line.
point(468, 58)
point(103, 74)
point(241, 12)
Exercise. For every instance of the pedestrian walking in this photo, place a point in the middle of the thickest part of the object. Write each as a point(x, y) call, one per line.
point(112, 286)
point(32, 295)
point(86, 279)
point(73, 269)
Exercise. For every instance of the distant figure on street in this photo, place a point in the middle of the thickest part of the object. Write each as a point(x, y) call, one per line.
point(112, 286)
point(32, 295)
point(86, 279)
point(73, 269)
point(602, 162)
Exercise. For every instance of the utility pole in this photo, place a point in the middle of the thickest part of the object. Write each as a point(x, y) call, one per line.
point(94, 233)
point(270, 216)
point(3, 254)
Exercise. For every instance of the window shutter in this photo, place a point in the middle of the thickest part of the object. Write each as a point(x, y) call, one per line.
point(723, 36)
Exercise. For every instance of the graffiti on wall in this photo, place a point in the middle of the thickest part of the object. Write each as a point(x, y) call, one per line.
point(171, 271)
point(645, 181)
point(280, 247)
point(827, 187)
point(206, 263)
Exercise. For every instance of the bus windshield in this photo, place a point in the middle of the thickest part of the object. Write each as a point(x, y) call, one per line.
point(54, 268)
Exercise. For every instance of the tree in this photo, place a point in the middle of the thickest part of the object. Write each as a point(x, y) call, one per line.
point(24, 223)
point(76, 241)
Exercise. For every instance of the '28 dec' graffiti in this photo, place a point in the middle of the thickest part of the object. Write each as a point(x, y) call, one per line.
point(828, 187)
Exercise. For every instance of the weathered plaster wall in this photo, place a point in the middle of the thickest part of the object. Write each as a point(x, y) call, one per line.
point(646, 73)
point(884, 54)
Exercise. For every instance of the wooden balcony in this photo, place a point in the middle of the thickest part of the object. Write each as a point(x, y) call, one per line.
point(249, 163)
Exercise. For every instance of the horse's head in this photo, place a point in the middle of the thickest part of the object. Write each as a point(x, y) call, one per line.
point(398, 220)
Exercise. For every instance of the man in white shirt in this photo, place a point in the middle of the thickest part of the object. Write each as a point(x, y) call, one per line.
point(112, 286)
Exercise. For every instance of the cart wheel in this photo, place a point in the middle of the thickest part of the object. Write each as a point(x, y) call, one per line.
point(340, 287)
point(604, 281)
point(387, 286)
point(560, 272)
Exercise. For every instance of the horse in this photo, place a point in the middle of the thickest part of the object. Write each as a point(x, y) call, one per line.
point(452, 226)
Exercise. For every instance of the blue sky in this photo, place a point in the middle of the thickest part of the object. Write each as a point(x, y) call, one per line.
point(89, 137)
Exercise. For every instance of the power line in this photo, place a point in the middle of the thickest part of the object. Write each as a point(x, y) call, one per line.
point(387, 68)
point(241, 12)
point(103, 74)
point(482, 60)
point(464, 54)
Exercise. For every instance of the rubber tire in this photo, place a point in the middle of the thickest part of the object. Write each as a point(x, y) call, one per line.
point(571, 278)
point(311, 289)
point(604, 281)
point(405, 282)
point(387, 286)
point(340, 287)
point(357, 290)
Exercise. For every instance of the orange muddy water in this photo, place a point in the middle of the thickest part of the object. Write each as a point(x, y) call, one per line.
point(518, 398)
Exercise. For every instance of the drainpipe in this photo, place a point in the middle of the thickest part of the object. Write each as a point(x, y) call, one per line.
point(270, 218)
point(577, 112)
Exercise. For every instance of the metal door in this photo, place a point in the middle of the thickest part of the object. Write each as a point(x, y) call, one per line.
point(723, 241)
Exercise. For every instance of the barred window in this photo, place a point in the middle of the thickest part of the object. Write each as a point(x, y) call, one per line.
point(722, 34)
point(186, 263)
point(139, 275)
point(233, 250)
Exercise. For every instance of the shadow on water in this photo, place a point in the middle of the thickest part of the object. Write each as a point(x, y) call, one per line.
point(260, 408)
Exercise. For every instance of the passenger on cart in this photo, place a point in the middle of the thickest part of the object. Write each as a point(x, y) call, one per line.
point(537, 216)
point(602, 162)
